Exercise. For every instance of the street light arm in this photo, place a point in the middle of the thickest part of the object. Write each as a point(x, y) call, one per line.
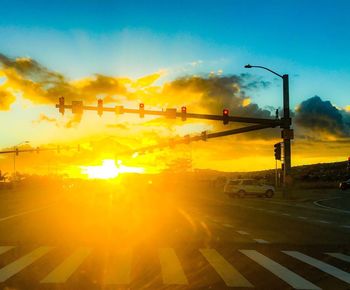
point(258, 66)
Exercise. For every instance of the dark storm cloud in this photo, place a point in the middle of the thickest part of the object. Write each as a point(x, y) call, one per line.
point(218, 92)
point(31, 69)
point(44, 86)
point(322, 116)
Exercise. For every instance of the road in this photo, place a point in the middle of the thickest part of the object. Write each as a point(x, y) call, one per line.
point(199, 239)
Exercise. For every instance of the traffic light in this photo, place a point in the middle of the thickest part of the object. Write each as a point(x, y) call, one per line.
point(183, 113)
point(204, 135)
point(278, 151)
point(225, 116)
point(142, 110)
point(16, 151)
point(100, 107)
point(61, 105)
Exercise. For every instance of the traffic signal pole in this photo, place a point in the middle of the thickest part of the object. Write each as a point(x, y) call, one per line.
point(286, 132)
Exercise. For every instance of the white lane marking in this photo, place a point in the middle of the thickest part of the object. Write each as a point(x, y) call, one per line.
point(323, 222)
point(302, 217)
point(329, 269)
point(345, 226)
point(172, 271)
point(63, 271)
point(25, 212)
point(5, 249)
point(119, 268)
point(16, 266)
point(286, 214)
point(242, 233)
point(340, 256)
point(317, 202)
point(291, 278)
point(226, 271)
point(228, 226)
point(261, 241)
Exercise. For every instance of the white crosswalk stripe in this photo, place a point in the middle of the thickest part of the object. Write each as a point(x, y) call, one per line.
point(118, 268)
point(291, 278)
point(67, 267)
point(329, 269)
point(4, 249)
point(15, 267)
point(172, 271)
point(226, 271)
point(261, 241)
point(340, 256)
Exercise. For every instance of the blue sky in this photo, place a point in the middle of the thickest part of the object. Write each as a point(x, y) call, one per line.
point(307, 39)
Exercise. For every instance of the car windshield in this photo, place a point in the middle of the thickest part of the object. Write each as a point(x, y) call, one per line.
point(234, 182)
point(149, 145)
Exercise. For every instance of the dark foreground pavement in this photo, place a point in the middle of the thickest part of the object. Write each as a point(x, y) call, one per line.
point(162, 240)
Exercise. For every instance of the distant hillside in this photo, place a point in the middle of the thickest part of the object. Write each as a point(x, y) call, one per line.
point(321, 172)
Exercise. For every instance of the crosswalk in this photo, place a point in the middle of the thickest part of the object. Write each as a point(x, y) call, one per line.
point(171, 266)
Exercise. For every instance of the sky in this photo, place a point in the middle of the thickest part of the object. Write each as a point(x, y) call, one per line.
point(174, 53)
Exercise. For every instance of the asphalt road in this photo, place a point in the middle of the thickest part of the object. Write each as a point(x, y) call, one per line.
point(165, 240)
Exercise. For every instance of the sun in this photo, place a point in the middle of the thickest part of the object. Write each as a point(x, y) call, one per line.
point(109, 170)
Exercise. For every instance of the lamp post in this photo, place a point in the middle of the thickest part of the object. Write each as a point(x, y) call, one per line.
point(14, 158)
point(287, 132)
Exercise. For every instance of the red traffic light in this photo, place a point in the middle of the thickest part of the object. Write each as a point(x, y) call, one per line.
point(183, 113)
point(142, 108)
point(225, 116)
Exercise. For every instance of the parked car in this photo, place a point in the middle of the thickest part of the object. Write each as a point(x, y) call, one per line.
point(243, 187)
point(344, 185)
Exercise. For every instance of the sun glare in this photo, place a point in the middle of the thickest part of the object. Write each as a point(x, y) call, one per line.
point(109, 169)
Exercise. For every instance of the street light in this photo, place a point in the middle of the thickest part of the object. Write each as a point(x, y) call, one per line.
point(14, 157)
point(287, 133)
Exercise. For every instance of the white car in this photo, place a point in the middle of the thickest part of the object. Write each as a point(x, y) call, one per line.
point(243, 187)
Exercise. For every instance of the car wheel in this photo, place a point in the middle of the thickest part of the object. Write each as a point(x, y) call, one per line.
point(241, 193)
point(269, 193)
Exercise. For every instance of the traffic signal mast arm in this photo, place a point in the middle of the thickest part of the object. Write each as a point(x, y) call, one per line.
point(173, 113)
point(202, 137)
point(38, 149)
